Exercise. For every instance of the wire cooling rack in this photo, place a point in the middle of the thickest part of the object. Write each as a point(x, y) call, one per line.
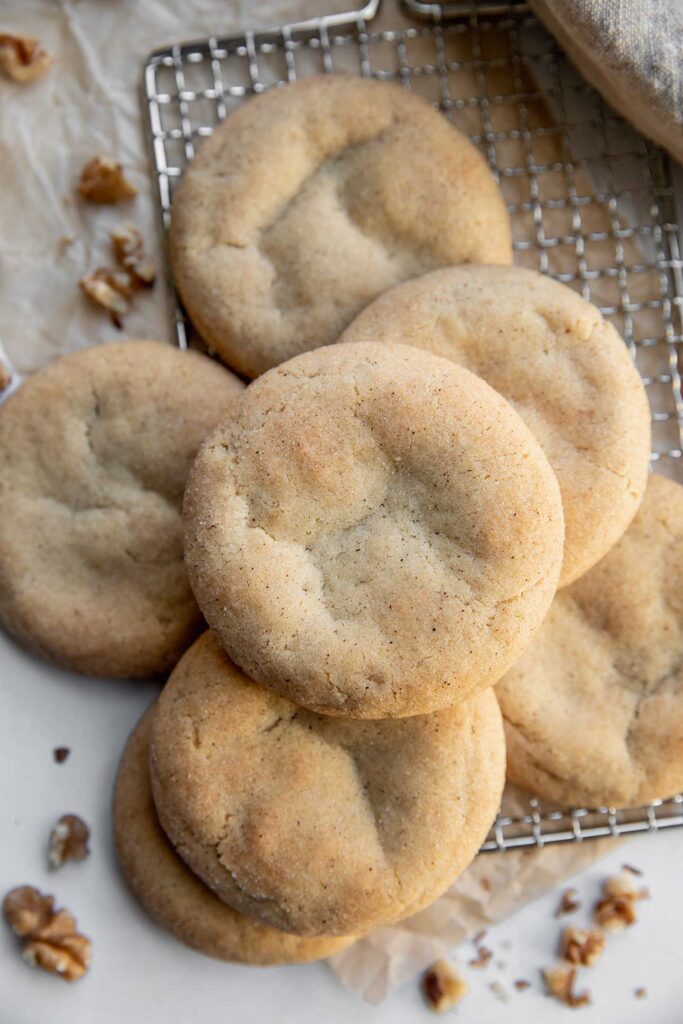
point(591, 203)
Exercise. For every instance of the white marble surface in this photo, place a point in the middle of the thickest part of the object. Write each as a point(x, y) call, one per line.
point(141, 976)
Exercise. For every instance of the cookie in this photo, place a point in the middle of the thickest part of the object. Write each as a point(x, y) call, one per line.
point(312, 199)
point(375, 532)
point(594, 709)
point(313, 824)
point(561, 365)
point(95, 452)
point(172, 896)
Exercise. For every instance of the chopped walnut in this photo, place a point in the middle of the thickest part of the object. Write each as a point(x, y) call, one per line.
point(483, 957)
point(22, 58)
point(52, 942)
point(60, 754)
point(103, 181)
point(129, 251)
point(559, 983)
point(617, 909)
point(522, 984)
point(443, 987)
point(109, 289)
point(68, 840)
point(581, 946)
point(568, 903)
point(5, 376)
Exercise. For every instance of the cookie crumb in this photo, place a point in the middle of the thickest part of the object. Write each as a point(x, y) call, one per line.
point(443, 988)
point(521, 984)
point(486, 884)
point(52, 942)
point(640, 993)
point(630, 868)
point(559, 983)
point(60, 754)
point(499, 992)
point(68, 840)
point(568, 903)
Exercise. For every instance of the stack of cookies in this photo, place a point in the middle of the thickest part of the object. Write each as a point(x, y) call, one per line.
point(374, 532)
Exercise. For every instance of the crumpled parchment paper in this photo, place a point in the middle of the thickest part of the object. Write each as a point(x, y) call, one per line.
point(89, 102)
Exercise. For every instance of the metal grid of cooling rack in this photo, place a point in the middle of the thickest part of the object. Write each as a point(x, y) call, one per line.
point(591, 203)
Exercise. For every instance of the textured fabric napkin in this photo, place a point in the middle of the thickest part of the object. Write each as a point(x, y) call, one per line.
point(632, 52)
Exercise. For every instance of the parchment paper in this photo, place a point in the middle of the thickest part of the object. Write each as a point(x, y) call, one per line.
point(89, 103)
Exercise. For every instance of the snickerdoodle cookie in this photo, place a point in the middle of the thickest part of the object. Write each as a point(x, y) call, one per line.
point(174, 897)
point(594, 709)
point(564, 368)
point(95, 451)
point(312, 199)
point(374, 532)
point(313, 824)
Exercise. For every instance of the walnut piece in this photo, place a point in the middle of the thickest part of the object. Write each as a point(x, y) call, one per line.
point(103, 181)
point(52, 942)
point(22, 58)
point(109, 289)
point(129, 251)
point(5, 376)
point(568, 903)
point(521, 984)
point(640, 993)
point(443, 988)
point(60, 754)
point(68, 840)
point(559, 983)
point(617, 908)
point(581, 946)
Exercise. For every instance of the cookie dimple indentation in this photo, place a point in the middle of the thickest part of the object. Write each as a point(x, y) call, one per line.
point(367, 507)
point(312, 823)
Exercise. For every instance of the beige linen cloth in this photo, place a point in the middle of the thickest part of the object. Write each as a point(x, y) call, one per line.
point(88, 103)
point(632, 52)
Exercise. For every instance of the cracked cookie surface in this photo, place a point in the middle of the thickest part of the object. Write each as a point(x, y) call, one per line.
point(95, 451)
point(312, 199)
point(594, 709)
point(374, 532)
point(174, 897)
point(313, 824)
point(562, 366)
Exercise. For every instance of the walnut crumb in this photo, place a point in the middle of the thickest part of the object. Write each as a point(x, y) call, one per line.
point(521, 984)
point(68, 840)
point(559, 983)
point(103, 180)
point(22, 58)
point(499, 991)
point(443, 988)
point(129, 251)
point(5, 376)
point(581, 946)
point(109, 289)
point(631, 869)
point(52, 942)
point(640, 993)
point(568, 903)
point(483, 957)
point(617, 908)
point(60, 754)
